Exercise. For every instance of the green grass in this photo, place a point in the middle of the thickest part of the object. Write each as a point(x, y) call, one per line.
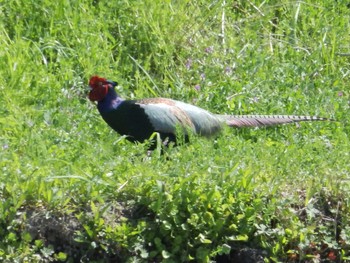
point(71, 189)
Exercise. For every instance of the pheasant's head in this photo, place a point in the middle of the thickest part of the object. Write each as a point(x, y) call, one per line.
point(99, 88)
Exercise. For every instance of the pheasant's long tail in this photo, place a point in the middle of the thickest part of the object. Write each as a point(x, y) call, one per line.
point(266, 120)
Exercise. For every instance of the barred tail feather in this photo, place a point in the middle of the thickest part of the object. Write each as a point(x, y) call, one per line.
point(266, 120)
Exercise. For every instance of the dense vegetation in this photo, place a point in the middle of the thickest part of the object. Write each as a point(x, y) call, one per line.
point(73, 190)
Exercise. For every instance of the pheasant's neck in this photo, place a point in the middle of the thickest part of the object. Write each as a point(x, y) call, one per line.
point(110, 102)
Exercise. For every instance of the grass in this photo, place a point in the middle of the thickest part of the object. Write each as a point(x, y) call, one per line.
point(73, 190)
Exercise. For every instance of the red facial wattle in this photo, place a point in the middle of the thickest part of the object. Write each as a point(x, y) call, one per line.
point(99, 88)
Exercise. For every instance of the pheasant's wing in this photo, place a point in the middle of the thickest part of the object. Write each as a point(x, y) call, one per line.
point(166, 115)
point(266, 120)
